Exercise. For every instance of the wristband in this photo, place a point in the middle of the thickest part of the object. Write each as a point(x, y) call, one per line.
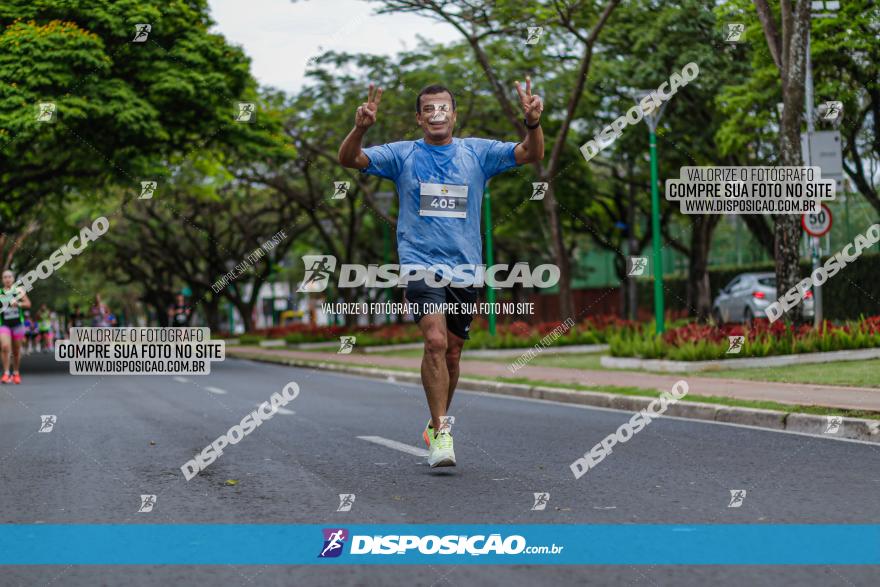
point(526, 122)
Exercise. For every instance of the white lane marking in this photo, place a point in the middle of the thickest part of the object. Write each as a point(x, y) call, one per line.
point(179, 379)
point(282, 411)
point(412, 450)
point(216, 390)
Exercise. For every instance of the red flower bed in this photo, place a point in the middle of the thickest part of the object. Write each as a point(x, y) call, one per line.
point(760, 329)
point(693, 332)
point(605, 321)
point(392, 333)
point(519, 328)
point(545, 328)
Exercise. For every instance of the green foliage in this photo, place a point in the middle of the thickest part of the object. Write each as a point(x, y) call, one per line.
point(508, 340)
point(250, 339)
point(122, 108)
point(163, 109)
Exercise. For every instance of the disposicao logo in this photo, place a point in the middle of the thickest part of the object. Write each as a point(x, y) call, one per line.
point(334, 540)
point(432, 544)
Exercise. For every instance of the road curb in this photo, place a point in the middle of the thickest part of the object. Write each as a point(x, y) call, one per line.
point(516, 352)
point(772, 419)
point(811, 424)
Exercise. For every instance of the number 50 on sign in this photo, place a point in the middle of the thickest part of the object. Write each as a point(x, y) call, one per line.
point(817, 224)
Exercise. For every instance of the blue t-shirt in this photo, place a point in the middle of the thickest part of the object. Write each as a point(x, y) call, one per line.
point(424, 241)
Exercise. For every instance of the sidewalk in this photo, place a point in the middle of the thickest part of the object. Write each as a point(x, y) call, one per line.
point(851, 398)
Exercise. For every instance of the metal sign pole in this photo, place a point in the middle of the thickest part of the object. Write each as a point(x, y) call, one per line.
point(384, 200)
point(490, 259)
point(817, 289)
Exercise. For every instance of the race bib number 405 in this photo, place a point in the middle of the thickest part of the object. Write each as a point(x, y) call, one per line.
point(439, 199)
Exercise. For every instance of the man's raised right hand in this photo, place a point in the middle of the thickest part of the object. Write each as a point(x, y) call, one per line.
point(366, 112)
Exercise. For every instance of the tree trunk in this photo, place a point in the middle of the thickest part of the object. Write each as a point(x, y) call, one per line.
point(699, 292)
point(349, 296)
point(212, 313)
point(560, 255)
point(632, 286)
point(161, 311)
point(789, 53)
point(627, 285)
point(787, 233)
point(246, 310)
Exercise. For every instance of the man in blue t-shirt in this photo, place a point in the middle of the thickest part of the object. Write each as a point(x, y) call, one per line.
point(440, 182)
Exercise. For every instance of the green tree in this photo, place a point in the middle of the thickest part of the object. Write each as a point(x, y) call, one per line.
point(846, 67)
point(121, 109)
point(573, 31)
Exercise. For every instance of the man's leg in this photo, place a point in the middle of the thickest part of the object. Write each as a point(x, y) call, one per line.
point(435, 374)
point(454, 344)
point(457, 327)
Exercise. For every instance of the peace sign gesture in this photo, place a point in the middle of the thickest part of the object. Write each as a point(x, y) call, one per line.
point(366, 112)
point(532, 106)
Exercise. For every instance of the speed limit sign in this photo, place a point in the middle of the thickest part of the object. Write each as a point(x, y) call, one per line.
point(817, 224)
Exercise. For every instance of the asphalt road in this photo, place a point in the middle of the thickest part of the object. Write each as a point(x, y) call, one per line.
point(118, 437)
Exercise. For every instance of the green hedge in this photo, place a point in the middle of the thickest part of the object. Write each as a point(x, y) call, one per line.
point(483, 340)
point(853, 292)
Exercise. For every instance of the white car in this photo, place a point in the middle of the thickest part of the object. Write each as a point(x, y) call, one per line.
point(747, 296)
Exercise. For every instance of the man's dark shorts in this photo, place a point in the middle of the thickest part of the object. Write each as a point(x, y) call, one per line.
point(418, 292)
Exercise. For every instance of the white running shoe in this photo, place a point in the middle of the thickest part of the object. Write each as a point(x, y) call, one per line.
point(441, 453)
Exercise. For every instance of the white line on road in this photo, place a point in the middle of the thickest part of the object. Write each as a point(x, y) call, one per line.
point(412, 450)
point(179, 379)
point(282, 411)
point(216, 390)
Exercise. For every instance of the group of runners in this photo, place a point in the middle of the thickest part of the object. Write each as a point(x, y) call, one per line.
point(23, 331)
point(40, 329)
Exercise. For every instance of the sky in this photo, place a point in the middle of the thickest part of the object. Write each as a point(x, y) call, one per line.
point(280, 36)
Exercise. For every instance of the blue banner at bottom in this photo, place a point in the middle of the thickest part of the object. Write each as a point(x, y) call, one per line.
point(259, 544)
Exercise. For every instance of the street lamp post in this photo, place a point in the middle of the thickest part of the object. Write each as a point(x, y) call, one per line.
point(655, 237)
point(490, 259)
point(327, 225)
point(652, 120)
point(383, 202)
point(386, 254)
